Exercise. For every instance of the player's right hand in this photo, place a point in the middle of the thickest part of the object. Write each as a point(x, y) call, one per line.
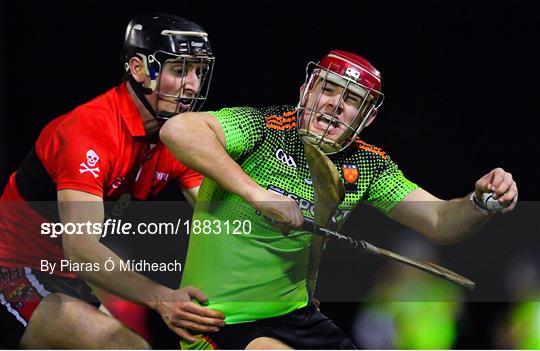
point(181, 314)
point(283, 210)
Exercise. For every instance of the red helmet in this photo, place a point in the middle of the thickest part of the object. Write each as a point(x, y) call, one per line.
point(354, 67)
point(341, 94)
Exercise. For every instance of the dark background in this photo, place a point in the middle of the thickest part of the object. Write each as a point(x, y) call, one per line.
point(461, 79)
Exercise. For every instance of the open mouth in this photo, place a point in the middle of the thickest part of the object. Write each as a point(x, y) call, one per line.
point(182, 107)
point(325, 122)
point(185, 101)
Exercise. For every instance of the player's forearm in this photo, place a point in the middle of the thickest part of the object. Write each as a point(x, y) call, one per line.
point(192, 140)
point(126, 284)
point(80, 207)
point(457, 220)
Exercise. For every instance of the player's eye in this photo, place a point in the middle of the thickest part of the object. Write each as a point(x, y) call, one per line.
point(328, 89)
point(179, 71)
point(200, 71)
point(353, 99)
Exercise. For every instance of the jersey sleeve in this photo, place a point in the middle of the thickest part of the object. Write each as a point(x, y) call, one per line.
point(243, 128)
point(189, 178)
point(389, 187)
point(83, 158)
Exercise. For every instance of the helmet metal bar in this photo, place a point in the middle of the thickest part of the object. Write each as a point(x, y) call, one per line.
point(196, 101)
point(158, 37)
point(318, 76)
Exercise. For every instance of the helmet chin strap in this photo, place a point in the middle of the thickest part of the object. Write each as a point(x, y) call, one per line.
point(166, 115)
point(141, 92)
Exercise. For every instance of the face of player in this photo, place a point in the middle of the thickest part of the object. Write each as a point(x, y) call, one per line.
point(178, 79)
point(331, 111)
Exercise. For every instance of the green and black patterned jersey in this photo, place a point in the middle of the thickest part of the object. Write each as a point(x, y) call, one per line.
point(261, 273)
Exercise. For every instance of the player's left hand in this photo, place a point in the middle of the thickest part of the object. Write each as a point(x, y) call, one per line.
point(502, 185)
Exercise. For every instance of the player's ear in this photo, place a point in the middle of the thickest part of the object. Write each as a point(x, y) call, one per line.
point(371, 117)
point(136, 67)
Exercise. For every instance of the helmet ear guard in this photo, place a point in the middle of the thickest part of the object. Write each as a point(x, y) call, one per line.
point(153, 68)
point(347, 74)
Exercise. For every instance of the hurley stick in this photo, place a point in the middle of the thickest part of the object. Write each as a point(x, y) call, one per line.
point(329, 193)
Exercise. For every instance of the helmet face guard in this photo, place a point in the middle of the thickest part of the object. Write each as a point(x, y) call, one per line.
point(160, 40)
point(186, 100)
point(340, 95)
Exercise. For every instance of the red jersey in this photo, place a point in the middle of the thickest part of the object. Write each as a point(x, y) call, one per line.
point(98, 148)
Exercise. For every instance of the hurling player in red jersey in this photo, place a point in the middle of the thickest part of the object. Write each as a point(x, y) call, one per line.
point(99, 151)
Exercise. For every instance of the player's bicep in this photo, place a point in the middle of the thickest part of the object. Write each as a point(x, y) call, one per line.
point(214, 125)
point(194, 121)
point(418, 211)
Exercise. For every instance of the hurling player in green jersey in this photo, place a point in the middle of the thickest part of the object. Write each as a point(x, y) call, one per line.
point(254, 162)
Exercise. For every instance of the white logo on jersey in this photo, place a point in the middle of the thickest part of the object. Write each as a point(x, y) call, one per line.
point(91, 158)
point(285, 159)
point(308, 181)
point(161, 176)
point(89, 166)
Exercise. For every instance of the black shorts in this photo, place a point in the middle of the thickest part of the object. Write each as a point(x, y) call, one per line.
point(21, 291)
point(304, 328)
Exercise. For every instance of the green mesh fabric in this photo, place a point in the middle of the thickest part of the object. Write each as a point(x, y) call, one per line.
point(242, 132)
point(261, 273)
